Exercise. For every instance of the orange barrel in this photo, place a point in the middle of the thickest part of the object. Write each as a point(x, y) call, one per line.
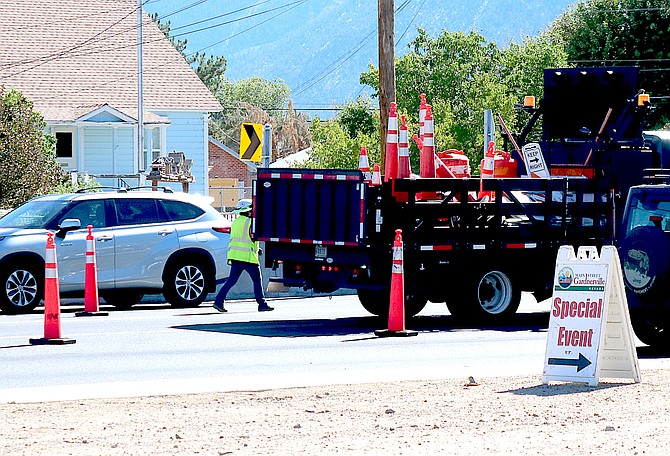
point(457, 162)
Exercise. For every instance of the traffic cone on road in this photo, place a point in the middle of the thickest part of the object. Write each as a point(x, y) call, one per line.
point(396, 323)
point(376, 176)
point(52, 330)
point(364, 165)
point(391, 158)
point(91, 299)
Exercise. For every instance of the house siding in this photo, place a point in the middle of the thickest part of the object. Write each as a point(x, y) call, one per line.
point(186, 133)
point(108, 151)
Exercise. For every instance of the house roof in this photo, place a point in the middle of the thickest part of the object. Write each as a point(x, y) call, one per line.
point(71, 57)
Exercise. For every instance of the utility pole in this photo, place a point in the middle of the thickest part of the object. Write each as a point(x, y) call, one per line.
point(386, 68)
point(140, 97)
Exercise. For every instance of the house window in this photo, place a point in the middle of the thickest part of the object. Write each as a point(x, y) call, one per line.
point(63, 144)
point(152, 144)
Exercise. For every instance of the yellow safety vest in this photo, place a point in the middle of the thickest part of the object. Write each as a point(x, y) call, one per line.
point(241, 246)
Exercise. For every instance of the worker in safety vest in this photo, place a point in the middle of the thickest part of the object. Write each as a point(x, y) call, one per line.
point(243, 254)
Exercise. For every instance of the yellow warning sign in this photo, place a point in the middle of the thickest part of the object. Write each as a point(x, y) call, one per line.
point(251, 142)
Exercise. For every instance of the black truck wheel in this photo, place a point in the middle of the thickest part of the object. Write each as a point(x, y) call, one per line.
point(652, 327)
point(645, 259)
point(377, 302)
point(491, 294)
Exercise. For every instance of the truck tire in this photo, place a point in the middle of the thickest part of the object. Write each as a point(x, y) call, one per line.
point(645, 260)
point(377, 302)
point(651, 327)
point(492, 295)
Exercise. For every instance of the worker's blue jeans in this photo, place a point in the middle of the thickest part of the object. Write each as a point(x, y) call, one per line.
point(236, 270)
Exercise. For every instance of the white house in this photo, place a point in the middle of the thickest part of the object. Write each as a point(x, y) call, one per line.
point(78, 63)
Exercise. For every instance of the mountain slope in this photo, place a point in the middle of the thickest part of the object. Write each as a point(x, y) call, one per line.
point(320, 47)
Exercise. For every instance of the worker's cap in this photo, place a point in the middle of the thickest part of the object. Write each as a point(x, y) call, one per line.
point(243, 205)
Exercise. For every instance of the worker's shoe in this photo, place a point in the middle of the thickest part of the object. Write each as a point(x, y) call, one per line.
point(265, 308)
point(219, 307)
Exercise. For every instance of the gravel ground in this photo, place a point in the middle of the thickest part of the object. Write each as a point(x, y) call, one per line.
point(506, 415)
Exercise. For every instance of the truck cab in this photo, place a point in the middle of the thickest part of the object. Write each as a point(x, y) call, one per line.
point(644, 250)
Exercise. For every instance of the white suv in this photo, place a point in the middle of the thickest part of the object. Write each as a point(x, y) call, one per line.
point(145, 242)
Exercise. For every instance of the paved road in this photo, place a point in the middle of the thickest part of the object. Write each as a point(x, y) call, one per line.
point(155, 349)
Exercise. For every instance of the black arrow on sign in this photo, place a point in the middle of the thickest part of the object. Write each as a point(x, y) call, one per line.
point(580, 362)
point(255, 142)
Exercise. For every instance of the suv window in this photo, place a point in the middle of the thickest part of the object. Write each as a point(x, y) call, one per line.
point(179, 210)
point(649, 210)
point(133, 211)
point(89, 212)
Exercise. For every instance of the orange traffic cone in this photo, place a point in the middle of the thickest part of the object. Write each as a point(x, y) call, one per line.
point(364, 165)
point(396, 323)
point(487, 166)
point(404, 167)
point(376, 176)
point(423, 106)
point(91, 299)
point(428, 153)
point(52, 334)
point(403, 159)
point(391, 160)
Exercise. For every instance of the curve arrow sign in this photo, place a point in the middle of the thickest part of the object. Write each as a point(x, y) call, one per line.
point(250, 142)
point(580, 363)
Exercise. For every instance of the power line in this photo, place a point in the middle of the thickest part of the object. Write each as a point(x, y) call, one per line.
point(331, 67)
point(298, 2)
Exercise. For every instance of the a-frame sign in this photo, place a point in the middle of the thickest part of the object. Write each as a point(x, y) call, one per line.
point(590, 335)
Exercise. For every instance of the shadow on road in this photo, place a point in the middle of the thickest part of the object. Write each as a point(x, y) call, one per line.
point(363, 325)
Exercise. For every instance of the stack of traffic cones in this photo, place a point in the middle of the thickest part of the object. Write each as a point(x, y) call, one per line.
point(91, 299)
point(391, 158)
point(396, 322)
point(376, 176)
point(364, 165)
point(52, 329)
point(404, 168)
point(487, 170)
point(423, 106)
point(428, 153)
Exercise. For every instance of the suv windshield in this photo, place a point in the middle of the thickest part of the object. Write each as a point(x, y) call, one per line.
point(649, 209)
point(34, 214)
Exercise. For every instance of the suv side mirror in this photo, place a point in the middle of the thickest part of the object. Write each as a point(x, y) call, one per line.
point(68, 225)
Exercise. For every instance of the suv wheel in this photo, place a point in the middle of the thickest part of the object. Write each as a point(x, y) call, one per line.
point(185, 284)
point(22, 288)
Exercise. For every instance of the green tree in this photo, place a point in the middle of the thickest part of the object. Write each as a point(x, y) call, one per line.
point(622, 33)
point(254, 100)
point(28, 165)
point(259, 100)
point(462, 74)
point(336, 143)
